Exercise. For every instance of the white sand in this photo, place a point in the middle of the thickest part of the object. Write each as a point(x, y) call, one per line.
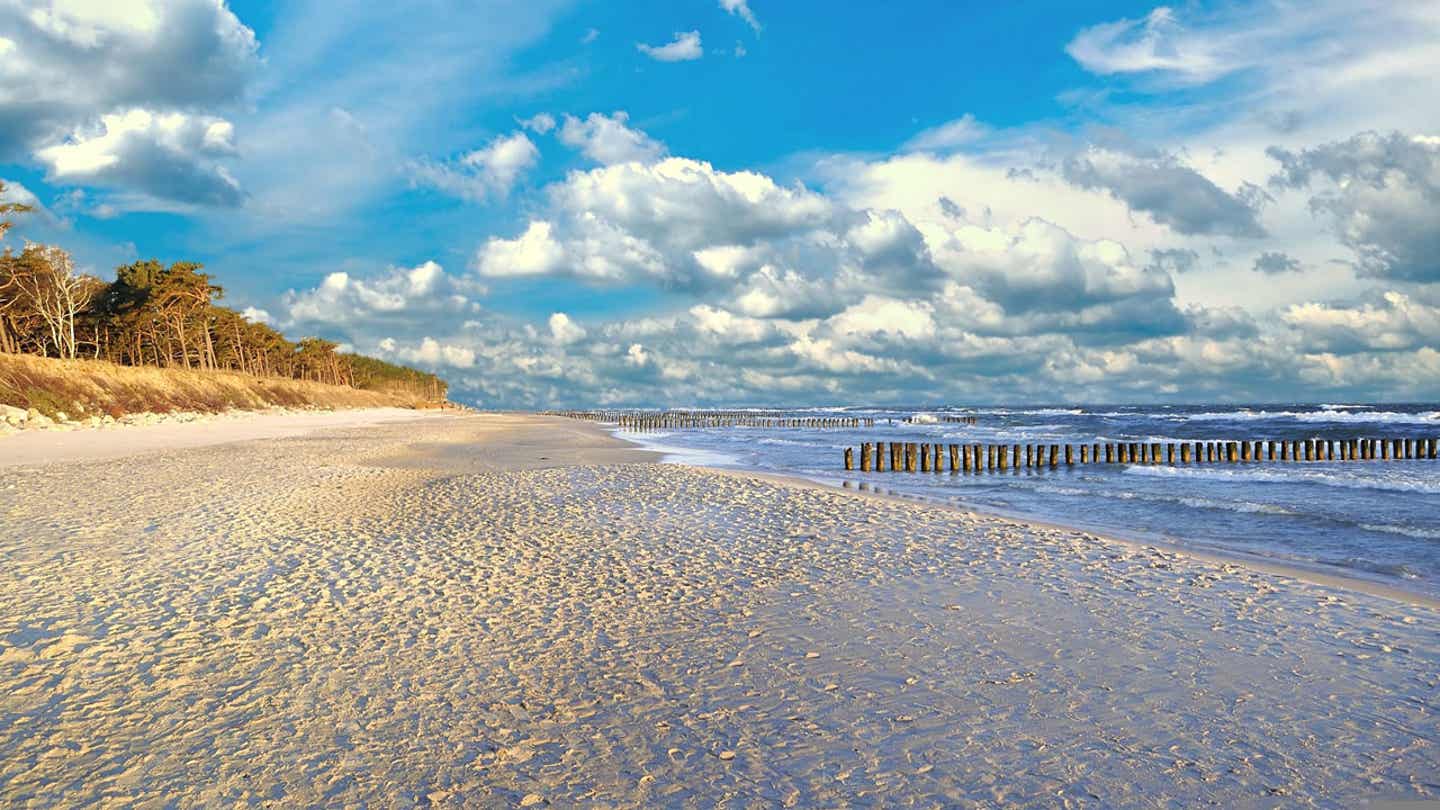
point(315, 621)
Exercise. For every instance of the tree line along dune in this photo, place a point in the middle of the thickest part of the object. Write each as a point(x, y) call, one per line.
point(78, 388)
point(153, 339)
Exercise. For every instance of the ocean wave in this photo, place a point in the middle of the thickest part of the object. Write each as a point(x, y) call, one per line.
point(1244, 507)
point(1322, 416)
point(1054, 490)
point(777, 441)
point(1399, 570)
point(1408, 531)
point(1032, 411)
point(1292, 475)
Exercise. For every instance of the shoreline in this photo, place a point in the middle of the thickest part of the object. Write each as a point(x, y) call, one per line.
point(1281, 569)
point(29, 448)
point(509, 610)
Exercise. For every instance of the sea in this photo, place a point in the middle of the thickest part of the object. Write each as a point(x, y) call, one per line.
point(1374, 520)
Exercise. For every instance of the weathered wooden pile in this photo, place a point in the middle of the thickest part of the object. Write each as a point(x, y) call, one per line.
point(924, 457)
point(658, 420)
point(958, 420)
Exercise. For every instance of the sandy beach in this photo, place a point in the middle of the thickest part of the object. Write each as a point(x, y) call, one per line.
point(507, 610)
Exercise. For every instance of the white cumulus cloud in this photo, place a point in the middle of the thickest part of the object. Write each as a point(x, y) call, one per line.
point(683, 48)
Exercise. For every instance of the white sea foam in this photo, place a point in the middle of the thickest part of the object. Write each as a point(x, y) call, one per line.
point(1408, 531)
point(1247, 507)
point(1323, 416)
point(1352, 479)
point(1032, 411)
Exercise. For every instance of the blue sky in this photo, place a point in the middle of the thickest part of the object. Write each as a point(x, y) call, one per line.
point(717, 201)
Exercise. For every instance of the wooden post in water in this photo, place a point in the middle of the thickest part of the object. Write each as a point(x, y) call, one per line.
point(1001, 456)
point(1170, 454)
point(925, 457)
point(1054, 455)
point(954, 458)
point(910, 457)
point(1084, 454)
point(865, 457)
point(1068, 460)
point(849, 458)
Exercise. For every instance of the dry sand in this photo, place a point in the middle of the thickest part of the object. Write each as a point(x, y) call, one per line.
point(328, 620)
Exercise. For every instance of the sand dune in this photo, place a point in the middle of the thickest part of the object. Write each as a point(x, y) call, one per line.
point(521, 612)
point(35, 447)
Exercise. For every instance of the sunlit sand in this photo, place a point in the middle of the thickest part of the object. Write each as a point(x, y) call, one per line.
point(512, 611)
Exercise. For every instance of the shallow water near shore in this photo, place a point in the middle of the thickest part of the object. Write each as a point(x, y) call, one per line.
point(1374, 520)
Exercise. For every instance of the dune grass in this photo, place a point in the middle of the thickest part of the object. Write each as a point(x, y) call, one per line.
point(95, 387)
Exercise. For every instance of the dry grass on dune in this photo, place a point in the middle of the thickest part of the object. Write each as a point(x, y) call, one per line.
point(93, 386)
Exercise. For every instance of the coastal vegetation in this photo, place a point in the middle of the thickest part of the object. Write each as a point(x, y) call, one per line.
point(165, 317)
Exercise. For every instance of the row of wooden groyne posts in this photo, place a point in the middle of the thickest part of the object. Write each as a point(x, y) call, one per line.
point(922, 457)
point(657, 420)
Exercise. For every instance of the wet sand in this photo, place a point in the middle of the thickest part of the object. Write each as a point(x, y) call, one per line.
point(518, 611)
